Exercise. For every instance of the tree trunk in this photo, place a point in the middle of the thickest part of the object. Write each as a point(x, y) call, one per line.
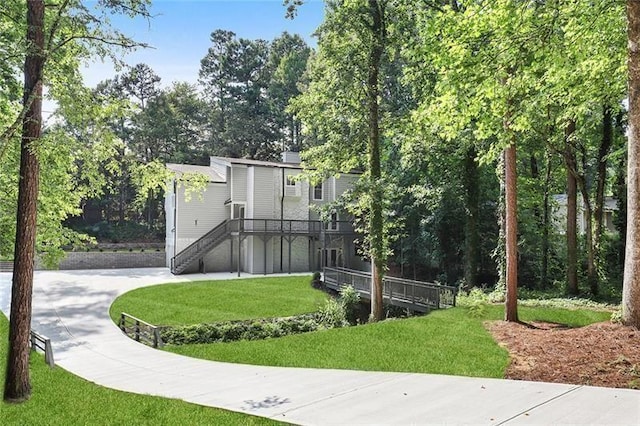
point(544, 281)
point(572, 211)
point(631, 285)
point(501, 255)
point(472, 208)
point(603, 152)
point(511, 299)
point(17, 386)
point(378, 254)
point(592, 274)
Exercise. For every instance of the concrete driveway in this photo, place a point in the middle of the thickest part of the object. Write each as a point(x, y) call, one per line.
point(71, 308)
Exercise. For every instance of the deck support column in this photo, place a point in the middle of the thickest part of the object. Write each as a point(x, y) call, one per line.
point(231, 255)
point(239, 251)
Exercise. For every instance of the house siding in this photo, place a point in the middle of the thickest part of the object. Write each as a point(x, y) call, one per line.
point(238, 183)
point(199, 215)
point(259, 187)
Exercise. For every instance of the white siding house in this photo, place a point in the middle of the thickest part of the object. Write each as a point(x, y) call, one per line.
point(560, 214)
point(257, 217)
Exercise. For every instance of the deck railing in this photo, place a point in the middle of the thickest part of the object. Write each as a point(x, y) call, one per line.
point(227, 228)
point(398, 291)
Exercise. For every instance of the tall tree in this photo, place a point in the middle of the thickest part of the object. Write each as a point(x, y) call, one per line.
point(52, 51)
point(376, 227)
point(235, 76)
point(17, 384)
point(341, 107)
point(631, 285)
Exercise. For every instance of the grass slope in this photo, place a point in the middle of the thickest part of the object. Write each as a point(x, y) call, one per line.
point(212, 301)
point(444, 342)
point(60, 398)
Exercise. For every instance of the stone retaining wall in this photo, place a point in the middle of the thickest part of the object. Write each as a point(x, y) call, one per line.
point(111, 260)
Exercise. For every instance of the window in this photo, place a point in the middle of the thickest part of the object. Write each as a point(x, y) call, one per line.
point(317, 192)
point(332, 225)
point(332, 258)
point(292, 187)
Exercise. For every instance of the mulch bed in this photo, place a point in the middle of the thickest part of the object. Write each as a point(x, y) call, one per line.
point(601, 354)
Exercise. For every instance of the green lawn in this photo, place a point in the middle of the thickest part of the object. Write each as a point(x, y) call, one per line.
point(443, 342)
point(213, 301)
point(452, 341)
point(60, 398)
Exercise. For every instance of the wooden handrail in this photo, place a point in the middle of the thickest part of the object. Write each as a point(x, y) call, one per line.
point(38, 341)
point(140, 331)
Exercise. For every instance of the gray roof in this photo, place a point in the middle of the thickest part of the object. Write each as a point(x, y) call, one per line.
point(246, 161)
point(180, 169)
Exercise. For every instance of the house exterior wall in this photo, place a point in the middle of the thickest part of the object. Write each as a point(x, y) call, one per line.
point(300, 261)
point(559, 214)
point(262, 190)
point(192, 219)
point(238, 182)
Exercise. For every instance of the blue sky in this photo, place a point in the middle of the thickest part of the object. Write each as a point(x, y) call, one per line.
point(180, 29)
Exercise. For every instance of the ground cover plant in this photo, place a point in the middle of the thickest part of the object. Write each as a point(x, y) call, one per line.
point(213, 301)
point(452, 341)
point(60, 398)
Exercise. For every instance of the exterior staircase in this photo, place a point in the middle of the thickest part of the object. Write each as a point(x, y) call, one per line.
point(262, 227)
point(203, 245)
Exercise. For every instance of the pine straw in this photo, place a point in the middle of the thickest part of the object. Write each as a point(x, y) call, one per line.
point(601, 354)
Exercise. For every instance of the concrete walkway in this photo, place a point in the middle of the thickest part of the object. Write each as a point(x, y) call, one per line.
point(71, 308)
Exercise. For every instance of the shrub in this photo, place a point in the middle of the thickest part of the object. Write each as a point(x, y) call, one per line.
point(332, 314)
point(230, 331)
point(475, 301)
point(316, 281)
point(350, 300)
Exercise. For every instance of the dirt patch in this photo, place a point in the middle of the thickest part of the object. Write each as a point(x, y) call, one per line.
point(601, 354)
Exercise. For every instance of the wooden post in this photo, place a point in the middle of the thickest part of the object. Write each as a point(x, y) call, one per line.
point(289, 245)
point(239, 251)
point(231, 254)
point(48, 353)
point(264, 244)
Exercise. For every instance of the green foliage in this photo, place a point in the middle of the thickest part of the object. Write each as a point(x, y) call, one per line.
point(118, 232)
point(616, 316)
point(476, 301)
point(231, 331)
point(332, 314)
point(350, 301)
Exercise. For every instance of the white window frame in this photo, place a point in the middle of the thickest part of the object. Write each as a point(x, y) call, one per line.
point(313, 195)
point(332, 224)
point(290, 181)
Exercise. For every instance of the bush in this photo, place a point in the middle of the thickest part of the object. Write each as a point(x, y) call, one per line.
point(332, 314)
point(316, 281)
point(475, 301)
point(230, 331)
point(350, 300)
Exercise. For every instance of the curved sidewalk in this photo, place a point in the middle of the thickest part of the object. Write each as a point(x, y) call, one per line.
point(71, 308)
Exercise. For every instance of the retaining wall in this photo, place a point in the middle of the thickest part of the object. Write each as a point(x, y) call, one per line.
point(110, 260)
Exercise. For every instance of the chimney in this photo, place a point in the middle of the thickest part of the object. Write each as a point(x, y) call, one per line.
point(291, 157)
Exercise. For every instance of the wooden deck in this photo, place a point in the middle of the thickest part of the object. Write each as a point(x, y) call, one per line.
point(263, 228)
point(414, 295)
